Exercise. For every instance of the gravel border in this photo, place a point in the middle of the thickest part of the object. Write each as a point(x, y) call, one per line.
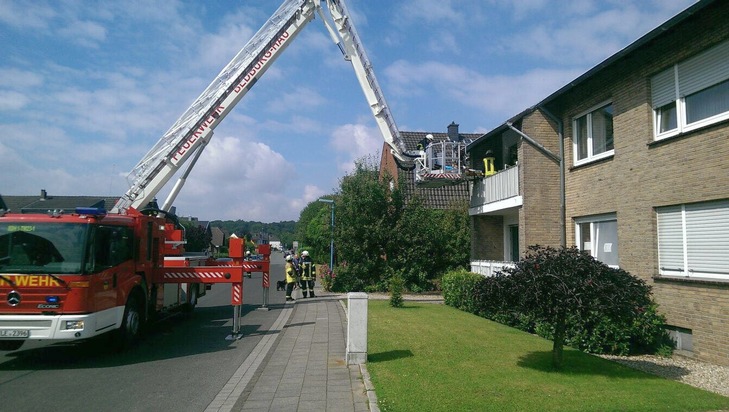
point(713, 378)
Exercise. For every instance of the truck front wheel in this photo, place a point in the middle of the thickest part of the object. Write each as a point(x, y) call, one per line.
point(131, 324)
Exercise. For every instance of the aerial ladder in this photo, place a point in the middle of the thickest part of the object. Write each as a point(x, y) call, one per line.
point(184, 142)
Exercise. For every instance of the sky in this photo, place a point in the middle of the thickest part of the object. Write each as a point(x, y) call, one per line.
point(87, 87)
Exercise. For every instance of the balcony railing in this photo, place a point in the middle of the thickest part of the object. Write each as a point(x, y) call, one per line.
point(489, 267)
point(502, 185)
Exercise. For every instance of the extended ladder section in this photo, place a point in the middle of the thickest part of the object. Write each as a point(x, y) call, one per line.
point(194, 128)
point(187, 138)
point(348, 41)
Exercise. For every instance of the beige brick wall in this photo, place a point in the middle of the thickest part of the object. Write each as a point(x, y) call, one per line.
point(644, 174)
point(487, 239)
point(539, 218)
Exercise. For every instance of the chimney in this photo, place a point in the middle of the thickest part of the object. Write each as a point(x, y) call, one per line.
point(44, 194)
point(453, 134)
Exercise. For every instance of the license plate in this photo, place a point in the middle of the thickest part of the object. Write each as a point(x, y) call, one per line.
point(14, 333)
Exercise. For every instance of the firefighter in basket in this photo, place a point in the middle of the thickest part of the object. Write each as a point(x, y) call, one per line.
point(308, 274)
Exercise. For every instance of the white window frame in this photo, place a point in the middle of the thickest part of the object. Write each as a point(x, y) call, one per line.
point(693, 240)
point(575, 145)
point(708, 69)
point(594, 235)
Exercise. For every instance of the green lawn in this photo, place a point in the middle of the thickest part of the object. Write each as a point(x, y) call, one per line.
point(429, 357)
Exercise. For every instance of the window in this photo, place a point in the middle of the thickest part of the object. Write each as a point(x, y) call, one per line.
point(692, 94)
point(593, 134)
point(599, 236)
point(693, 240)
point(111, 246)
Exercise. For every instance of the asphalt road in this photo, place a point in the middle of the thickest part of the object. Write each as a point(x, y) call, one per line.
point(180, 363)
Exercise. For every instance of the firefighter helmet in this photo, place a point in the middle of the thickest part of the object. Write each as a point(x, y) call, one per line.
point(288, 258)
point(305, 253)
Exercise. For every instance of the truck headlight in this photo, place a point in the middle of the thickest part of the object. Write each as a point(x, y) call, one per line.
point(74, 324)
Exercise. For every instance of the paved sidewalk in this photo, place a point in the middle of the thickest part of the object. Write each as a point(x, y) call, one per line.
point(304, 369)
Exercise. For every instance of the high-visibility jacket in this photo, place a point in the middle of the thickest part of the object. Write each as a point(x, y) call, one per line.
point(308, 269)
point(290, 273)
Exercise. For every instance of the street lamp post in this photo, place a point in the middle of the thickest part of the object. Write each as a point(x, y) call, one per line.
point(331, 237)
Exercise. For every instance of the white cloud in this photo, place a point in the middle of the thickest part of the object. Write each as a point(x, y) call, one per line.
point(18, 79)
point(26, 15)
point(300, 99)
point(354, 141)
point(501, 96)
point(10, 101)
point(84, 32)
point(239, 179)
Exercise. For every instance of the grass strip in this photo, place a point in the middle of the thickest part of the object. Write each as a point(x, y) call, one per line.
point(437, 358)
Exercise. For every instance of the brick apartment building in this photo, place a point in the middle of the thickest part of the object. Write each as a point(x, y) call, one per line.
point(644, 161)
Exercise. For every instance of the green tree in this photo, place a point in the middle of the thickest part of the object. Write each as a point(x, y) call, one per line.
point(560, 285)
point(378, 233)
point(364, 225)
point(313, 230)
point(198, 239)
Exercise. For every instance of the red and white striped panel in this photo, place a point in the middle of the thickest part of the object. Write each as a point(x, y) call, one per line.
point(203, 275)
point(236, 294)
point(445, 176)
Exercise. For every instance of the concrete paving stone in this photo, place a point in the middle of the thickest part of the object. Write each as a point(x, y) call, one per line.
point(259, 395)
point(312, 406)
point(284, 402)
point(339, 406)
point(313, 395)
point(256, 406)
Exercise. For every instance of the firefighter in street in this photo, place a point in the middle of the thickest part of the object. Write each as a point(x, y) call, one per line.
point(248, 259)
point(291, 277)
point(308, 274)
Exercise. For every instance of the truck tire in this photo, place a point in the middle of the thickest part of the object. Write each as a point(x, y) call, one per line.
point(11, 344)
point(131, 326)
point(193, 292)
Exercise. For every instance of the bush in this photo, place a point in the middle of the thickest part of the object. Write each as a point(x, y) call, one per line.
point(596, 308)
point(458, 289)
point(396, 287)
point(349, 279)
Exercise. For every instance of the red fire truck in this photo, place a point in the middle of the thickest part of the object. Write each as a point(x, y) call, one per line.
point(70, 276)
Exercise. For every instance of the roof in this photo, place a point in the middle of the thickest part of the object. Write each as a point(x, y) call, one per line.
point(44, 202)
point(610, 61)
point(642, 41)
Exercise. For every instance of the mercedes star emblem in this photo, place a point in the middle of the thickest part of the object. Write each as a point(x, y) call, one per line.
point(13, 298)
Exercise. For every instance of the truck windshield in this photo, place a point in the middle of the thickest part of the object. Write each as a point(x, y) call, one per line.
point(53, 248)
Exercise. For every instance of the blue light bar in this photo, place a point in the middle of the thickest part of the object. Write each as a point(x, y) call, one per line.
point(91, 211)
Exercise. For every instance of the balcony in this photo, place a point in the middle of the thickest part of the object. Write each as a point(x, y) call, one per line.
point(489, 267)
point(500, 187)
